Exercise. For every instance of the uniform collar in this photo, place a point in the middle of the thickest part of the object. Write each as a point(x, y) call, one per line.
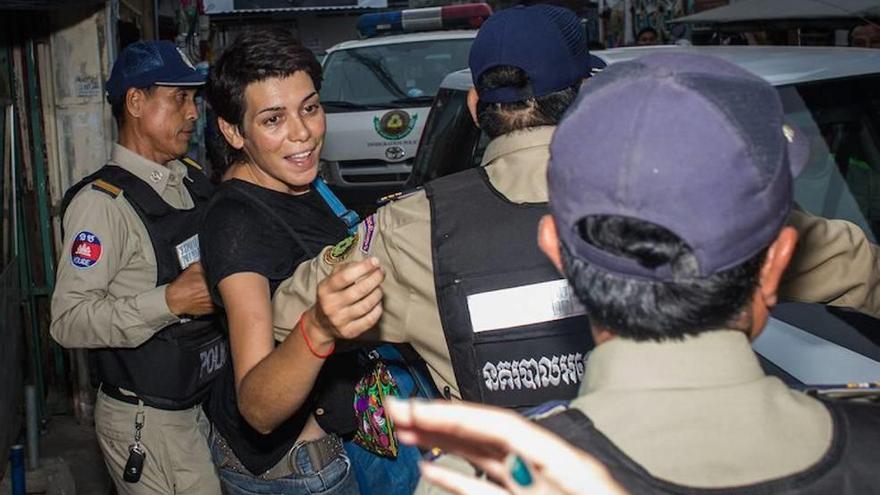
point(516, 164)
point(515, 141)
point(712, 359)
point(159, 177)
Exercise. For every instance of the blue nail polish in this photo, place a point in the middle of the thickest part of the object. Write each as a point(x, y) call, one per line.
point(520, 472)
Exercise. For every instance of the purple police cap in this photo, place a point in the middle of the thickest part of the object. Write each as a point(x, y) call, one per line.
point(151, 63)
point(689, 142)
point(547, 42)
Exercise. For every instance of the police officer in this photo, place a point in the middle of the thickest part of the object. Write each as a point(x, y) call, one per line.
point(130, 287)
point(674, 396)
point(465, 283)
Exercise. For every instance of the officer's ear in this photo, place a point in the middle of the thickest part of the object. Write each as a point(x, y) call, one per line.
point(472, 99)
point(778, 256)
point(135, 100)
point(231, 133)
point(548, 241)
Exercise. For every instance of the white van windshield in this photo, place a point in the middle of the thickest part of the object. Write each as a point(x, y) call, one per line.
point(390, 76)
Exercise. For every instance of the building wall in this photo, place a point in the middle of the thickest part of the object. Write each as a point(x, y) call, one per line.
point(81, 52)
point(320, 31)
point(317, 31)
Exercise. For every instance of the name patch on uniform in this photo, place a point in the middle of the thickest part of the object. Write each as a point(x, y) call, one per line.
point(188, 252)
point(534, 373)
point(369, 228)
point(86, 250)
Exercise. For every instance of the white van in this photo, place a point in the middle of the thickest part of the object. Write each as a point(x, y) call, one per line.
point(377, 93)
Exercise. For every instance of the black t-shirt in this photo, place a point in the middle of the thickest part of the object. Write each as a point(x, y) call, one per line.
point(242, 232)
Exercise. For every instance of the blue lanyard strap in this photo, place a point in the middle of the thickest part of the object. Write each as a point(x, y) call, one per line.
point(350, 217)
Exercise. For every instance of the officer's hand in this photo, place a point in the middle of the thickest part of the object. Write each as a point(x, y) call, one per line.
point(522, 457)
point(188, 293)
point(349, 300)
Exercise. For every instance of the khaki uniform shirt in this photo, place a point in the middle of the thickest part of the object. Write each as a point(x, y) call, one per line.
point(698, 412)
point(114, 302)
point(701, 412)
point(834, 265)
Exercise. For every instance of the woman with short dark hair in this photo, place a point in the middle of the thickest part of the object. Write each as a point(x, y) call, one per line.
point(272, 431)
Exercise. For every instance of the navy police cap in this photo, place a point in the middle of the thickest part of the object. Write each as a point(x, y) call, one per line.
point(547, 42)
point(151, 63)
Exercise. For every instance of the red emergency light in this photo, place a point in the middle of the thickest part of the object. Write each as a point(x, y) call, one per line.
point(464, 16)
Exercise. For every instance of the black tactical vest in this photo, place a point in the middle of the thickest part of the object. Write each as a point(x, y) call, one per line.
point(516, 335)
point(175, 367)
point(848, 467)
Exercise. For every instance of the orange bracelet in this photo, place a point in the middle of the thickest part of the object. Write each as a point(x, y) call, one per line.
point(302, 329)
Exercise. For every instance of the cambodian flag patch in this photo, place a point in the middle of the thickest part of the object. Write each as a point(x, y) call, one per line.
point(86, 250)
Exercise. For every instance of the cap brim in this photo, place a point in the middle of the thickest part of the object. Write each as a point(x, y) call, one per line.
point(192, 79)
point(798, 147)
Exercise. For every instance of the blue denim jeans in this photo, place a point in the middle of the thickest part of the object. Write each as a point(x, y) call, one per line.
point(337, 478)
point(377, 475)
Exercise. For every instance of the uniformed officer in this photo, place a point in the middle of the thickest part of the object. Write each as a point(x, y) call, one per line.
point(674, 399)
point(465, 283)
point(130, 286)
point(674, 395)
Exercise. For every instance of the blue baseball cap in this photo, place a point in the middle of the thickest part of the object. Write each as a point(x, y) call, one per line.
point(151, 63)
point(547, 42)
point(689, 142)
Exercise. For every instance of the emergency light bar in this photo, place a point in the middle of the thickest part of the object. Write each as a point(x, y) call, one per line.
point(464, 16)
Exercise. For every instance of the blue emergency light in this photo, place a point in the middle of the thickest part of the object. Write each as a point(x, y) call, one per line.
point(464, 16)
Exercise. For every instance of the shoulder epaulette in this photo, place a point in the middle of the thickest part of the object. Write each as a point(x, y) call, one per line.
point(106, 188)
point(384, 200)
point(192, 163)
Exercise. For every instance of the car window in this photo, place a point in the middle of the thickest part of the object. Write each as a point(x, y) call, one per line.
point(842, 120)
point(395, 75)
point(449, 140)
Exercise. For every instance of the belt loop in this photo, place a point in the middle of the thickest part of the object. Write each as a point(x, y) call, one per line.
point(315, 457)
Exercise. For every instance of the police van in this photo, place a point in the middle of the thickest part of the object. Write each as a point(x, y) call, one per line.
point(377, 92)
point(832, 95)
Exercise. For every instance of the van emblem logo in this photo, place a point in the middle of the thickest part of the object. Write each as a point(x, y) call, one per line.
point(396, 124)
point(394, 153)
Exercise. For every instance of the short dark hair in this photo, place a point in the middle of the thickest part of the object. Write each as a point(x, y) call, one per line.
point(642, 310)
point(117, 108)
point(501, 118)
point(647, 29)
point(253, 57)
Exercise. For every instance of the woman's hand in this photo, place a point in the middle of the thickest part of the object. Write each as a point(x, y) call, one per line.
point(349, 302)
point(520, 456)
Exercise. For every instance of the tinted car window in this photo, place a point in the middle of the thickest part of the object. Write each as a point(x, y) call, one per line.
point(842, 119)
point(402, 74)
point(449, 141)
